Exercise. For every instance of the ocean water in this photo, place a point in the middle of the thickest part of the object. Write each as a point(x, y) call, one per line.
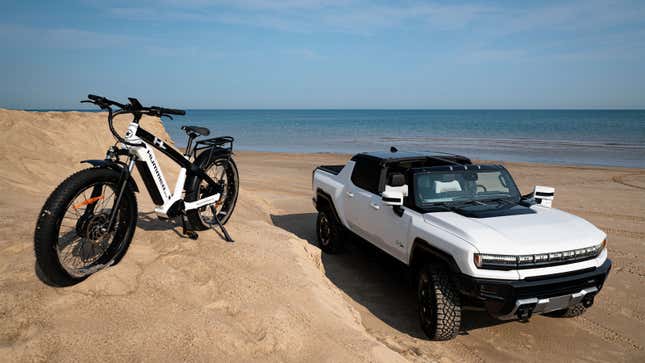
point(591, 137)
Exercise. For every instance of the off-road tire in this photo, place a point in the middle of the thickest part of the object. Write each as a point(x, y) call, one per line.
point(439, 304)
point(224, 214)
point(330, 233)
point(48, 267)
point(570, 312)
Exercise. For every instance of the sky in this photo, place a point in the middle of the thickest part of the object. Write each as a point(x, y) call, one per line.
point(256, 54)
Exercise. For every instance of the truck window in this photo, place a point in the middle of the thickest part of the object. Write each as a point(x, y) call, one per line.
point(366, 174)
point(460, 185)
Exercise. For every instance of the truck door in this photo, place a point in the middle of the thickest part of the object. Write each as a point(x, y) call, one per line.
point(390, 229)
point(358, 193)
point(363, 202)
point(358, 212)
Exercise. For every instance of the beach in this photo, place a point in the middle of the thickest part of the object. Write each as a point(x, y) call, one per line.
point(272, 295)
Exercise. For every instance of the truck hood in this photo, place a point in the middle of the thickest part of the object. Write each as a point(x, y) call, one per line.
point(542, 230)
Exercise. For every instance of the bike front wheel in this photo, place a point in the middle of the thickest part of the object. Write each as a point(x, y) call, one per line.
point(73, 238)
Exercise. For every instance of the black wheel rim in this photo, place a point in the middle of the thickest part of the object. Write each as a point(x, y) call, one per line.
point(324, 231)
point(220, 171)
point(426, 312)
point(83, 237)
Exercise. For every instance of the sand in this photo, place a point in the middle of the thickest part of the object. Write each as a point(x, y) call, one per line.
point(271, 295)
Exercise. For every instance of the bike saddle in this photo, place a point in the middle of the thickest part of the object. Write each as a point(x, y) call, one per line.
point(201, 131)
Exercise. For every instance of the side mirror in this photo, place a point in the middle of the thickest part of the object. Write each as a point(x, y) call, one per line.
point(396, 180)
point(392, 197)
point(543, 195)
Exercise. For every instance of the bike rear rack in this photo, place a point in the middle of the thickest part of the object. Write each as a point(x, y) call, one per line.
point(213, 144)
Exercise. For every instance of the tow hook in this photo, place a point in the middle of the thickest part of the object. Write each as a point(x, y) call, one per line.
point(524, 312)
point(588, 300)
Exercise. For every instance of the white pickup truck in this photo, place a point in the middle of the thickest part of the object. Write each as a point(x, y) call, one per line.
point(466, 232)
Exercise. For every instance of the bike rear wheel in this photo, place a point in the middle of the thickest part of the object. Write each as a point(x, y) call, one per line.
point(72, 240)
point(224, 171)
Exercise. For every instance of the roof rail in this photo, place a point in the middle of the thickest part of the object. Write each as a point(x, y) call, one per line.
point(447, 160)
point(394, 149)
point(441, 152)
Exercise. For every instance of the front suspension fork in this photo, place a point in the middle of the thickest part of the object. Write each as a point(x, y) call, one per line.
point(123, 183)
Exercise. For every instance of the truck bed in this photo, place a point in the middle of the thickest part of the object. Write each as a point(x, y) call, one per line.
point(331, 169)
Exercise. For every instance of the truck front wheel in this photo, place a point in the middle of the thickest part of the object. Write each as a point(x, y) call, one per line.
point(329, 233)
point(439, 304)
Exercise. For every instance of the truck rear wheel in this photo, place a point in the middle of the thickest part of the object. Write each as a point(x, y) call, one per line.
point(329, 233)
point(439, 304)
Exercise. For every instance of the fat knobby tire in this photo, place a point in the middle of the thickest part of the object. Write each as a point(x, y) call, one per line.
point(439, 304)
point(48, 267)
point(231, 171)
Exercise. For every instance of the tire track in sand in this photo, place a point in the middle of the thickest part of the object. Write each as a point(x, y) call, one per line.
point(607, 334)
point(620, 180)
point(607, 215)
point(623, 232)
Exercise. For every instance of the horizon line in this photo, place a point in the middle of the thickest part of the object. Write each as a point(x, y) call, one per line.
point(347, 109)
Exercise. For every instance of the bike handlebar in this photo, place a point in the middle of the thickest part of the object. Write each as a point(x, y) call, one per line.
point(168, 111)
point(134, 107)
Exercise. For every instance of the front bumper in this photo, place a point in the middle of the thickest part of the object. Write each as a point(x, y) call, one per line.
point(508, 299)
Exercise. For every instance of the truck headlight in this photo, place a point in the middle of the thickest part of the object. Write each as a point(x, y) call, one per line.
point(509, 262)
point(483, 260)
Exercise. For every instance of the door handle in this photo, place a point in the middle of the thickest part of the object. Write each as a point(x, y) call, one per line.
point(375, 206)
point(350, 194)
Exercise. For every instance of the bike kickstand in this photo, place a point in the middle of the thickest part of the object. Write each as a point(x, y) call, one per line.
point(227, 236)
point(184, 230)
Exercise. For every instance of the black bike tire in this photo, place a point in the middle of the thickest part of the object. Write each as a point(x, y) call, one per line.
point(48, 266)
point(193, 194)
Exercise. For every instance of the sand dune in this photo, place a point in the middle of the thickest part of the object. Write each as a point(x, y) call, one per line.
point(271, 295)
point(263, 297)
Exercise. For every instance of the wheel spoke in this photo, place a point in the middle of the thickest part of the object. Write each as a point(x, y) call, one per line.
point(81, 242)
point(218, 172)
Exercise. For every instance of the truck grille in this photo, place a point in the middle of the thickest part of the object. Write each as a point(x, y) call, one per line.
point(542, 290)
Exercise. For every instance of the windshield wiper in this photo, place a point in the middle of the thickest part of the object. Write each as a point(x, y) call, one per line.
point(464, 202)
point(501, 200)
point(455, 204)
point(445, 205)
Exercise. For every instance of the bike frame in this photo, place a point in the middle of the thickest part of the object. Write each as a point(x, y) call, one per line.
point(140, 145)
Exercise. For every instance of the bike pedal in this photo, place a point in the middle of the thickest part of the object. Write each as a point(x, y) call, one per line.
point(192, 235)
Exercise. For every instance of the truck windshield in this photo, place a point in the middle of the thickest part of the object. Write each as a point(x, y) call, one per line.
point(447, 186)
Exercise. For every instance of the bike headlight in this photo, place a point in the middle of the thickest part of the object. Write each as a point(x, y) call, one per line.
point(509, 262)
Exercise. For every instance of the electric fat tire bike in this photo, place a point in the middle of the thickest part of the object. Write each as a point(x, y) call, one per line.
point(88, 221)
